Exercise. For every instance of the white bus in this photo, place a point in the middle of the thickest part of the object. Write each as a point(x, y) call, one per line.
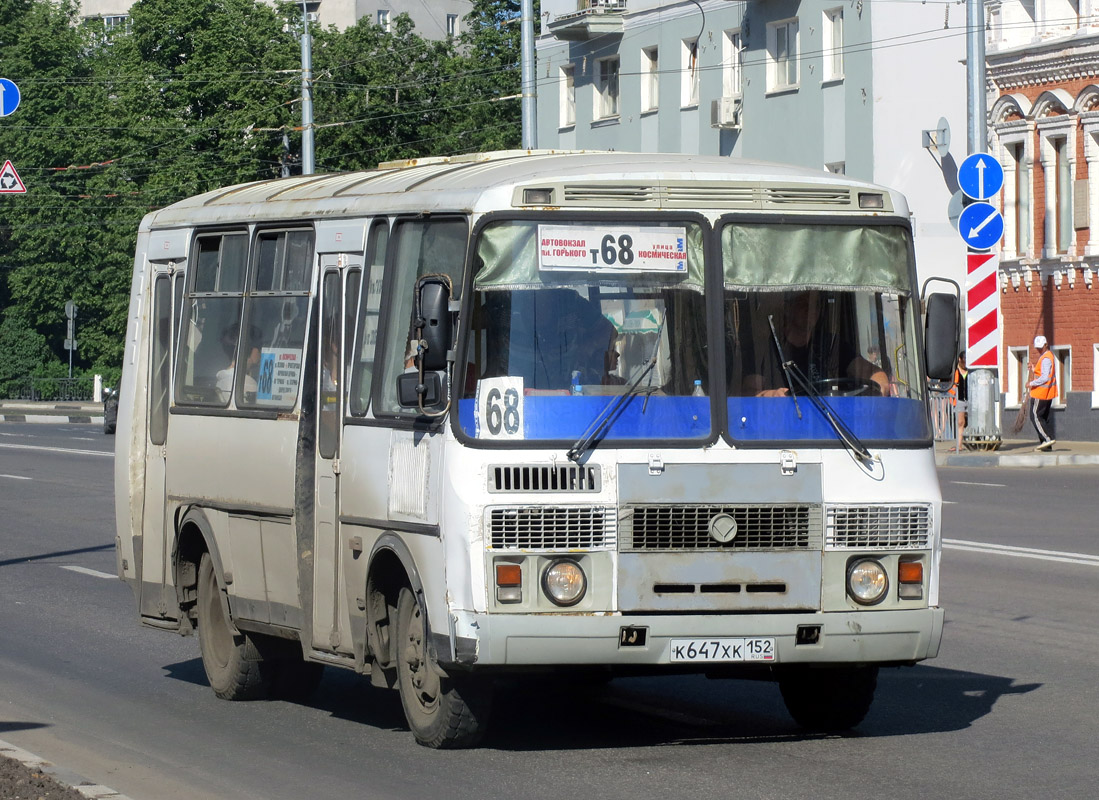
point(458, 418)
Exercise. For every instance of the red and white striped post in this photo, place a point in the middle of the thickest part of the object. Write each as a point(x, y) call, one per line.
point(982, 311)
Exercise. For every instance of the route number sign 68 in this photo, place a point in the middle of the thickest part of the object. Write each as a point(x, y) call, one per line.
point(500, 408)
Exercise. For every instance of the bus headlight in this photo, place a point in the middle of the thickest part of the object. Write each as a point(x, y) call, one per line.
point(867, 582)
point(564, 582)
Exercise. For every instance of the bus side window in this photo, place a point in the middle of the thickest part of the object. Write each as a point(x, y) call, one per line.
point(160, 367)
point(273, 343)
point(369, 310)
point(423, 247)
point(210, 324)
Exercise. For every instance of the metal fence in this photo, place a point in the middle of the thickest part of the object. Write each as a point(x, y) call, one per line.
point(60, 389)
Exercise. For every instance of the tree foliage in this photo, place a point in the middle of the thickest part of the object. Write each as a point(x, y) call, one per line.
point(192, 95)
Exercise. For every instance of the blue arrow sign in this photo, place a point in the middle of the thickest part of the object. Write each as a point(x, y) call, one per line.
point(980, 176)
point(9, 97)
point(981, 226)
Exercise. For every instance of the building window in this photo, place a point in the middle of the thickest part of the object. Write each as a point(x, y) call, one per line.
point(1095, 376)
point(383, 18)
point(690, 73)
point(650, 79)
point(451, 24)
point(731, 65)
point(1016, 201)
point(833, 44)
point(1063, 193)
point(606, 85)
point(1017, 371)
point(782, 55)
point(1062, 367)
point(837, 167)
point(568, 97)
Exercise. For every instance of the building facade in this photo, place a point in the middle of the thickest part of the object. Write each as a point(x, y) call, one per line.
point(435, 20)
point(1043, 67)
point(840, 85)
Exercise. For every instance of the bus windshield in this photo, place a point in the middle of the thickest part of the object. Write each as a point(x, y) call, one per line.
point(834, 300)
point(568, 316)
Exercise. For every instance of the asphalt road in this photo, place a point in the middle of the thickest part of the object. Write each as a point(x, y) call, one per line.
point(1006, 711)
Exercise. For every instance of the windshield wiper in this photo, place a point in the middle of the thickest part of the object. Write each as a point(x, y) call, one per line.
point(604, 418)
point(794, 375)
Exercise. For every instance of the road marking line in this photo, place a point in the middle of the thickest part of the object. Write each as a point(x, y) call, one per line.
point(1022, 552)
point(108, 453)
point(15, 477)
point(86, 571)
point(975, 483)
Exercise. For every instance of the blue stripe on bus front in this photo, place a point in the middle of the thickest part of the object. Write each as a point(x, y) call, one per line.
point(750, 418)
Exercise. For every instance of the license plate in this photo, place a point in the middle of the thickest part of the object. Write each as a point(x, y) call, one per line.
point(747, 649)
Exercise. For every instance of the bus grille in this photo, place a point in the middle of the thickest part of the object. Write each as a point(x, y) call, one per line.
point(878, 527)
point(543, 478)
point(760, 527)
point(552, 528)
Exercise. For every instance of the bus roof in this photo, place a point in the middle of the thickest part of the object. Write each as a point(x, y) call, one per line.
point(491, 181)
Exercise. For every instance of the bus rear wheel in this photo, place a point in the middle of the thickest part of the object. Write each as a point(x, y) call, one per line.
point(828, 700)
point(443, 711)
point(233, 663)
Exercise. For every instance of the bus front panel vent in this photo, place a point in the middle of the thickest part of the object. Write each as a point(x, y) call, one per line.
point(552, 528)
point(756, 527)
point(543, 478)
point(878, 527)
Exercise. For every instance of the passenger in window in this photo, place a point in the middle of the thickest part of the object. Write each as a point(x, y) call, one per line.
point(223, 380)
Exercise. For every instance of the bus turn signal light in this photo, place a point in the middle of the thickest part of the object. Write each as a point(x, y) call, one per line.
point(509, 575)
point(910, 572)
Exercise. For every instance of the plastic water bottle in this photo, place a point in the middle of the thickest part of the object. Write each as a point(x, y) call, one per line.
point(576, 387)
point(698, 389)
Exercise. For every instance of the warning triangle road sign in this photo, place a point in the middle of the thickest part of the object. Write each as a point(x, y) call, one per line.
point(10, 182)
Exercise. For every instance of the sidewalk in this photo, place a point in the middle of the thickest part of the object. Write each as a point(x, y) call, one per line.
point(1020, 453)
point(28, 411)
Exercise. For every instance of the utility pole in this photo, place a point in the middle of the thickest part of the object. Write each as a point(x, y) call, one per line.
point(983, 383)
point(526, 41)
point(307, 94)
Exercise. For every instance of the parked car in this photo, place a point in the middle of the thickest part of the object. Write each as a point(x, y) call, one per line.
point(110, 410)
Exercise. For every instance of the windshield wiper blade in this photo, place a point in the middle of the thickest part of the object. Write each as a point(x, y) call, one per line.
point(603, 419)
point(795, 375)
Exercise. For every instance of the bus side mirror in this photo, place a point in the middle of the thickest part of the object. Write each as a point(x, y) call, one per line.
point(433, 322)
point(940, 339)
point(409, 389)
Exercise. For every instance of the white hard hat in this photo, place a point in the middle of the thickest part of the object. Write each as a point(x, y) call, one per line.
point(1039, 341)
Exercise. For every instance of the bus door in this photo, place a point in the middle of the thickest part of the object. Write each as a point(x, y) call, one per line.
point(340, 276)
point(167, 294)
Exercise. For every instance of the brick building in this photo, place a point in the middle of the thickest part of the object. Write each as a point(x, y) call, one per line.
point(1043, 63)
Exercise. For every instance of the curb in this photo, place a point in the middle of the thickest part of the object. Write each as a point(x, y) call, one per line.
point(54, 418)
point(94, 791)
point(1030, 460)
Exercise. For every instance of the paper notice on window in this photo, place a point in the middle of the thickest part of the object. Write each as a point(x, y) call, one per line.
point(279, 376)
point(612, 248)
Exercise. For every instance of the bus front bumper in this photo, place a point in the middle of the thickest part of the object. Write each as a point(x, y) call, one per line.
point(525, 640)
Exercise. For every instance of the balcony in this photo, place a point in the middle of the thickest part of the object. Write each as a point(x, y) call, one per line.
point(592, 18)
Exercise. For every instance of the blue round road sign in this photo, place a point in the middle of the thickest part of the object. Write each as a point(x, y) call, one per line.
point(981, 226)
point(9, 97)
point(980, 176)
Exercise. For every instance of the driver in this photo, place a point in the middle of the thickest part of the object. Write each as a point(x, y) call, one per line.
point(810, 342)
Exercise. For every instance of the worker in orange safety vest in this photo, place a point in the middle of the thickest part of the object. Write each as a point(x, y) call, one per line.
point(1043, 390)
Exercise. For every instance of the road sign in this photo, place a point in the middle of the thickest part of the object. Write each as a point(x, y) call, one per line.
point(10, 182)
point(981, 226)
point(980, 176)
point(70, 309)
point(9, 97)
point(70, 344)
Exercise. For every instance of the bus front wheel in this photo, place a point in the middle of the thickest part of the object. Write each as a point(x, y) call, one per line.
point(443, 711)
point(832, 699)
point(233, 664)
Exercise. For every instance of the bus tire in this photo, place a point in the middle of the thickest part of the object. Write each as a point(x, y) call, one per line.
point(828, 700)
point(443, 711)
point(233, 663)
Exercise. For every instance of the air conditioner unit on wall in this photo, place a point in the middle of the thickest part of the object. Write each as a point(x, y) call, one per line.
point(725, 112)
